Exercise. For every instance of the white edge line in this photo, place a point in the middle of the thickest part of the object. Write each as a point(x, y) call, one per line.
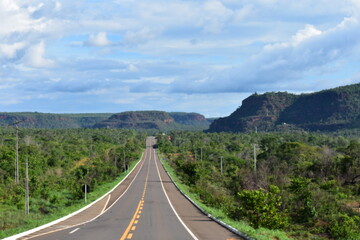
point(106, 203)
point(81, 223)
point(78, 211)
point(230, 228)
point(74, 230)
point(172, 207)
point(123, 192)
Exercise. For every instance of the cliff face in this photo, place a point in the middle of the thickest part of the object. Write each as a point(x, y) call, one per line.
point(190, 119)
point(157, 120)
point(256, 111)
point(326, 110)
point(137, 120)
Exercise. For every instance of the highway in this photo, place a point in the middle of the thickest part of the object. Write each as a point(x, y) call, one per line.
point(150, 207)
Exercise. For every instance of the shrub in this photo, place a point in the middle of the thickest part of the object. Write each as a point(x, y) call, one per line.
point(345, 227)
point(262, 208)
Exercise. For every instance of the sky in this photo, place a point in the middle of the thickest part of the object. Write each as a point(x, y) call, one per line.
point(205, 56)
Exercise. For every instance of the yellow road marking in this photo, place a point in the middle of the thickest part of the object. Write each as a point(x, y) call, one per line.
point(130, 227)
point(126, 233)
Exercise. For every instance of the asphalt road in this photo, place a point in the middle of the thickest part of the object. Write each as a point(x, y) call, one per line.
point(145, 211)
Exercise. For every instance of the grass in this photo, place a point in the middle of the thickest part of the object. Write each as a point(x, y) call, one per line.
point(34, 220)
point(242, 226)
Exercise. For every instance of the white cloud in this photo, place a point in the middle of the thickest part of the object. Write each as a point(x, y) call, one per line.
point(98, 40)
point(34, 57)
point(157, 80)
point(216, 16)
point(10, 50)
point(242, 13)
point(141, 36)
point(17, 19)
point(6, 102)
point(130, 68)
point(308, 32)
point(309, 49)
point(302, 35)
point(58, 6)
point(194, 47)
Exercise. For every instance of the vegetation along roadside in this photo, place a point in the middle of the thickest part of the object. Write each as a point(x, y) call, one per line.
point(61, 162)
point(271, 185)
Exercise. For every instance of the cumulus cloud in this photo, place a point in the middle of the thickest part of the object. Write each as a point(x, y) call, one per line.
point(191, 47)
point(16, 18)
point(98, 40)
point(35, 56)
point(279, 63)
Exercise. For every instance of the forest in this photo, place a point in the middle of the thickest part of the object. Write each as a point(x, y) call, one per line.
point(60, 163)
point(304, 184)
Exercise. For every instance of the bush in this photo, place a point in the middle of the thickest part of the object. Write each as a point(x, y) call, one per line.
point(262, 209)
point(345, 227)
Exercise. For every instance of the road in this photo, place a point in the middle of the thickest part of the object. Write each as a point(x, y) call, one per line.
point(150, 207)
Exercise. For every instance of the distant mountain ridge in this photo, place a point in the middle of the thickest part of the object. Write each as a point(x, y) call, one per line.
point(157, 120)
point(327, 110)
point(52, 120)
point(142, 120)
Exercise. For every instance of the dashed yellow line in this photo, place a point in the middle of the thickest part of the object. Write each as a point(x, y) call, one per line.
point(126, 234)
point(134, 220)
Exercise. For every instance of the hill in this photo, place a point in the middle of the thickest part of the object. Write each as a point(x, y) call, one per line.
point(51, 120)
point(156, 120)
point(327, 110)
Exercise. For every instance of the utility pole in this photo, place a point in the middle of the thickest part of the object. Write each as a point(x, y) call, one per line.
point(255, 158)
point(27, 207)
point(27, 187)
point(201, 154)
point(17, 155)
point(85, 192)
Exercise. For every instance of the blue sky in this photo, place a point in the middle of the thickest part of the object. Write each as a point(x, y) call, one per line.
point(201, 56)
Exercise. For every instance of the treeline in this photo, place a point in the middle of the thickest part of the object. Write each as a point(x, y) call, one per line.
point(60, 163)
point(303, 183)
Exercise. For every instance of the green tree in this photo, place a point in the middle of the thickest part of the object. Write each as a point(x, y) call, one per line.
point(302, 209)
